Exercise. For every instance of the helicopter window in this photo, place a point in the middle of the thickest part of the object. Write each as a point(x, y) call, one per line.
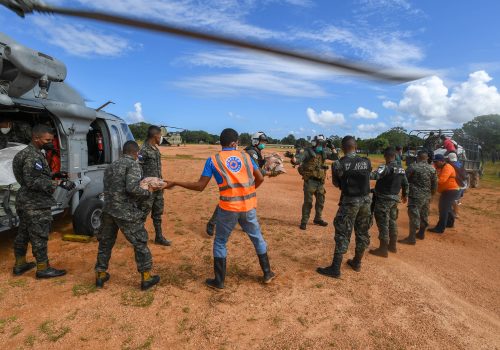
point(98, 143)
point(126, 131)
point(116, 140)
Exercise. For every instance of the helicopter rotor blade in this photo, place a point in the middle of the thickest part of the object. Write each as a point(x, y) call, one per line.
point(22, 7)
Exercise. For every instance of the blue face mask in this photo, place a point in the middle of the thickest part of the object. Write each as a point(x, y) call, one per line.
point(319, 149)
point(261, 146)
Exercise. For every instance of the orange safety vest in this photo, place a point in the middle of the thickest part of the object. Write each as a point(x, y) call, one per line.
point(237, 190)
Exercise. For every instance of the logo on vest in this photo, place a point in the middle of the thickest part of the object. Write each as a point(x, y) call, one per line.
point(234, 164)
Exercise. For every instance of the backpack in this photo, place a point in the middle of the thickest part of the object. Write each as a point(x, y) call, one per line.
point(460, 175)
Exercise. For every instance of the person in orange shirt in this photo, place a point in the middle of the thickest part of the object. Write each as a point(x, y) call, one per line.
point(449, 189)
point(237, 176)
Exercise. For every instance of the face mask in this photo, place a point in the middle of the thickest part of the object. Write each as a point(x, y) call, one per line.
point(5, 130)
point(49, 146)
point(319, 149)
point(261, 146)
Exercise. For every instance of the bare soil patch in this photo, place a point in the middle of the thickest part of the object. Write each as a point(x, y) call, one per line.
point(444, 293)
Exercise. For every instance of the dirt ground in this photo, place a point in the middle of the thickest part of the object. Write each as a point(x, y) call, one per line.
point(443, 293)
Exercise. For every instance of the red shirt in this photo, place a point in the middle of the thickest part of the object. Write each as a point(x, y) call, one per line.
point(450, 146)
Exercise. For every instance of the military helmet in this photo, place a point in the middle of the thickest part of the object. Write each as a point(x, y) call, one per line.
point(258, 137)
point(318, 140)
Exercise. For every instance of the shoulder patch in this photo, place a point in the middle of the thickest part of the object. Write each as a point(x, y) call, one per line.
point(255, 156)
point(38, 165)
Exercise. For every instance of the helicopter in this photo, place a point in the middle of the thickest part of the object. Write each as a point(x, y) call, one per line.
point(33, 90)
point(171, 138)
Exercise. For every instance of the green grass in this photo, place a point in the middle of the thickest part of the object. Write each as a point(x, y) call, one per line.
point(137, 298)
point(53, 332)
point(491, 175)
point(84, 289)
point(29, 341)
point(20, 283)
point(16, 330)
point(5, 321)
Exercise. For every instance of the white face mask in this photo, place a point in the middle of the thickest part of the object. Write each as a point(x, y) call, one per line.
point(4, 130)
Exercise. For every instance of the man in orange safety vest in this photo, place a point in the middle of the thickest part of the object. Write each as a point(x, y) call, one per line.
point(237, 176)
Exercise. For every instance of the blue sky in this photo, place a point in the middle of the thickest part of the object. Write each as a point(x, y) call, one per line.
point(167, 80)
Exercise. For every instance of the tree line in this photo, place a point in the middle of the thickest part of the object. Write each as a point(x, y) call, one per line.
point(485, 128)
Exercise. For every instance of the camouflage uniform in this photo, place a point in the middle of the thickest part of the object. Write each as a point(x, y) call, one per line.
point(390, 180)
point(354, 206)
point(122, 198)
point(423, 184)
point(33, 202)
point(313, 170)
point(430, 144)
point(150, 161)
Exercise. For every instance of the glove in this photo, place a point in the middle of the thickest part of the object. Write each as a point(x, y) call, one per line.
point(60, 175)
point(67, 185)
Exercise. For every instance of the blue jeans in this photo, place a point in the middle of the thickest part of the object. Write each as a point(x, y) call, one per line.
point(227, 220)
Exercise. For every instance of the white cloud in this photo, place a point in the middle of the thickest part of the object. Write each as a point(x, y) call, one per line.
point(255, 73)
point(431, 103)
point(136, 116)
point(371, 128)
point(389, 48)
point(325, 118)
point(364, 113)
point(80, 40)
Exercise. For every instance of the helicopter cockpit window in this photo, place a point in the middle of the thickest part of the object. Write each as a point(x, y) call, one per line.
point(126, 131)
point(98, 143)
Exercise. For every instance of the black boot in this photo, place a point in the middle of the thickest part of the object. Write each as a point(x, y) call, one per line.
point(381, 251)
point(44, 270)
point(100, 278)
point(421, 233)
point(408, 240)
point(393, 245)
point(210, 228)
point(355, 263)
point(159, 239)
point(22, 266)
point(303, 226)
point(148, 280)
point(220, 274)
point(334, 269)
point(266, 268)
point(320, 222)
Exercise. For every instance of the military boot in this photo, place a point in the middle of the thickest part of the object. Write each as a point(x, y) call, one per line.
point(21, 266)
point(220, 274)
point(410, 240)
point(393, 245)
point(266, 268)
point(334, 269)
point(44, 270)
point(355, 263)
point(148, 280)
point(381, 251)
point(303, 226)
point(100, 278)
point(421, 233)
point(159, 239)
point(320, 222)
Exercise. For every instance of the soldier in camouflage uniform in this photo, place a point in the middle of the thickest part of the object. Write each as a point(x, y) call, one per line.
point(351, 174)
point(122, 199)
point(33, 203)
point(313, 170)
point(391, 179)
point(423, 184)
point(150, 161)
